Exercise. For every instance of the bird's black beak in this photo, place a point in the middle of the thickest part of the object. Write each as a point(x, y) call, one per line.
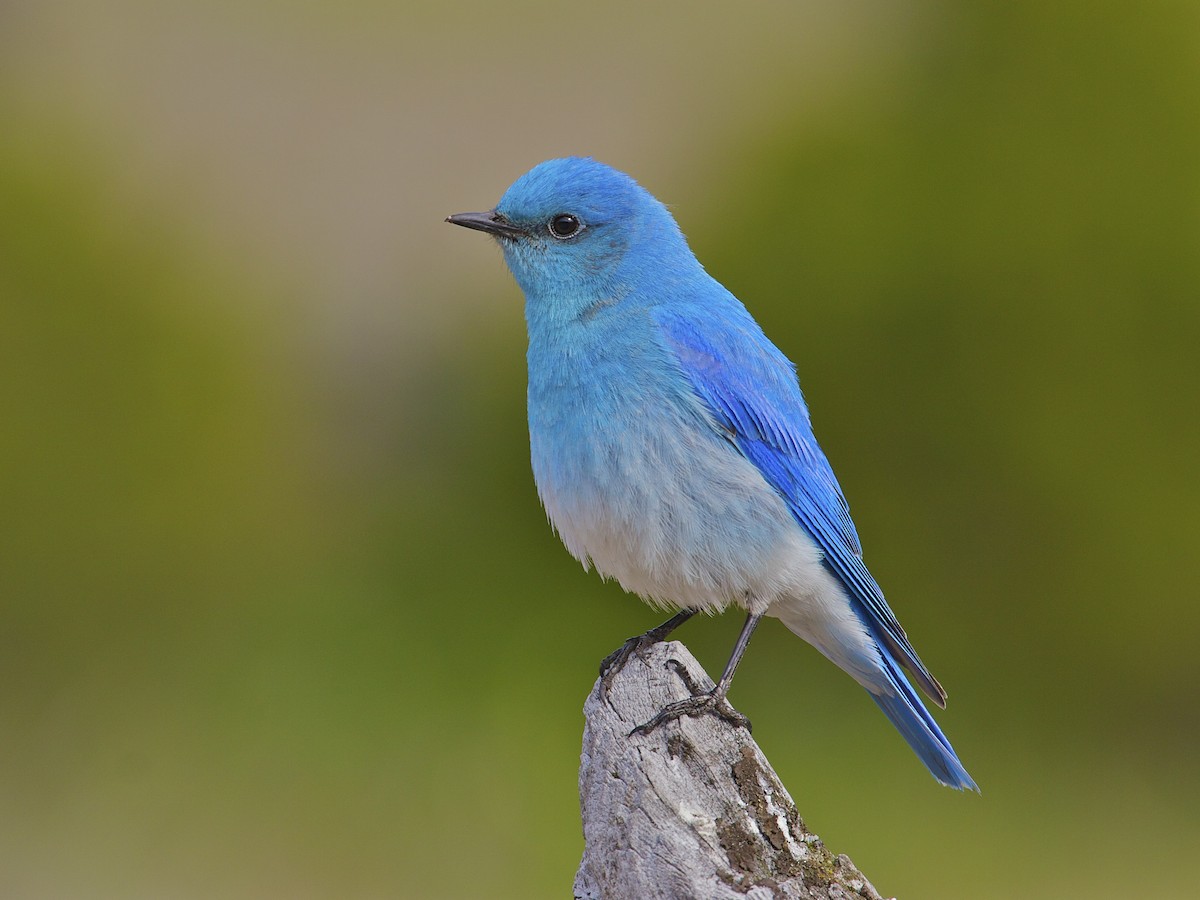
point(491, 221)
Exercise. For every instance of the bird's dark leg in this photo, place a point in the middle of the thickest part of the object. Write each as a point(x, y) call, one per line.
point(713, 701)
point(615, 661)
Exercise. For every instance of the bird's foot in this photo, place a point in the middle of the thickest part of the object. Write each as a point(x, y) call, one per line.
point(615, 661)
point(701, 702)
point(612, 664)
point(695, 706)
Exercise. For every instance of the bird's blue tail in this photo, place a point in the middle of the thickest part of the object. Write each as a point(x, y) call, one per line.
point(904, 709)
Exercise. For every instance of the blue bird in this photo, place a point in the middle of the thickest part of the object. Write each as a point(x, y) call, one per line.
point(672, 448)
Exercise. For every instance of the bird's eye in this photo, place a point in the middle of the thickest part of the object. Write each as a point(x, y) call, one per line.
point(565, 225)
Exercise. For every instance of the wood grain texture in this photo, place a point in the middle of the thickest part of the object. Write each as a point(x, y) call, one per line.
point(693, 809)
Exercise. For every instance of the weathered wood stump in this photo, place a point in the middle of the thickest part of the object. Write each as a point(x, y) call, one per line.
point(693, 810)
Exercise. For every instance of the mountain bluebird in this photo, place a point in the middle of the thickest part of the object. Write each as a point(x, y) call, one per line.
point(672, 448)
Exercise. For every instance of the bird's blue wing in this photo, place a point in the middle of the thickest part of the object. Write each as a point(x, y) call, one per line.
point(750, 389)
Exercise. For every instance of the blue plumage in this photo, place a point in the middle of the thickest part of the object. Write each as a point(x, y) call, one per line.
point(671, 444)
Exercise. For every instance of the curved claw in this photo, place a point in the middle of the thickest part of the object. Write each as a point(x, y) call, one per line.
point(615, 661)
point(612, 664)
point(710, 703)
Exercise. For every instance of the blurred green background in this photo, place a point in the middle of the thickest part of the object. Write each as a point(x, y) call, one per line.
point(279, 613)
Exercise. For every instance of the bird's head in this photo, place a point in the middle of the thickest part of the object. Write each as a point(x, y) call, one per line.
point(567, 225)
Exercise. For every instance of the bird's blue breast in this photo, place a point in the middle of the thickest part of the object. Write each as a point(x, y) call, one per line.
point(635, 474)
point(604, 403)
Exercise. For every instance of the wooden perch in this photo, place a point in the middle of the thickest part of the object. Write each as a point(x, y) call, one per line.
point(693, 810)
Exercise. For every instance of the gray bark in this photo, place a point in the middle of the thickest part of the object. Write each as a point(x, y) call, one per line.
point(693, 810)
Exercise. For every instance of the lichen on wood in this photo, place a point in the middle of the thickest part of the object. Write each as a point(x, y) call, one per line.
point(693, 809)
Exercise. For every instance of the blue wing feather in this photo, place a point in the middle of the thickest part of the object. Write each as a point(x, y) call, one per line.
point(756, 398)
